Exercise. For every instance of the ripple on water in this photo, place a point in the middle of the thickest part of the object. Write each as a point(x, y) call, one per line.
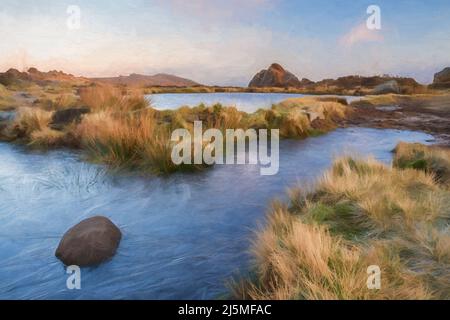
point(183, 236)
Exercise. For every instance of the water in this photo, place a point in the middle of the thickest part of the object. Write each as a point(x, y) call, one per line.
point(7, 115)
point(183, 236)
point(248, 102)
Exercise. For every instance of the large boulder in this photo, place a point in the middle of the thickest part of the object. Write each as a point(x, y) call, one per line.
point(275, 76)
point(442, 79)
point(89, 243)
point(387, 87)
point(62, 118)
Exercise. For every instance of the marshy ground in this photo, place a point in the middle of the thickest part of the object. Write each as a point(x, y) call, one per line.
point(428, 112)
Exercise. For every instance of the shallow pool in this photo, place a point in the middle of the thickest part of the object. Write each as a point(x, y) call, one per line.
point(183, 236)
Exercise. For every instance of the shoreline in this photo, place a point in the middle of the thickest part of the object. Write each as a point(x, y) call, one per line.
point(426, 113)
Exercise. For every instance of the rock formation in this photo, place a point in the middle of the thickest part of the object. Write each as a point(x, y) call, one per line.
point(275, 76)
point(442, 79)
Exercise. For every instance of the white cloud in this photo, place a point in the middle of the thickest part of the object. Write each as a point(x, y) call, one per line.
point(360, 34)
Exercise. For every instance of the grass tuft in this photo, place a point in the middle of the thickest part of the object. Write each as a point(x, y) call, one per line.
point(360, 213)
point(430, 159)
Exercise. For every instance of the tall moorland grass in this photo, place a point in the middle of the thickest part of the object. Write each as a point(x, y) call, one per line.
point(127, 141)
point(123, 131)
point(433, 160)
point(360, 213)
point(6, 100)
point(32, 126)
point(105, 97)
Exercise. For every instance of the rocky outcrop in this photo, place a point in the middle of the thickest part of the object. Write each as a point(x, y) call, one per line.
point(275, 76)
point(386, 88)
point(442, 79)
point(89, 243)
point(62, 118)
point(14, 76)
point(352, 82)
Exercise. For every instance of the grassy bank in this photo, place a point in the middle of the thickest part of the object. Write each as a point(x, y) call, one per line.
point(360, 213)
point(123, 131)
point(6, 100)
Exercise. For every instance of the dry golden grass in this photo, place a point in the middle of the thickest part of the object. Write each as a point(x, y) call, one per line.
point(104, 97)
point(133, 141)
point(360, 213)
point(47, 138)
point(56, 102)
point(296, 117)
point(29, 120)
point(386, 99)
point(6, 100)
point(114, 139)
point(122, 131)
point(431, 159)
point(32, 126)
point(329, 109)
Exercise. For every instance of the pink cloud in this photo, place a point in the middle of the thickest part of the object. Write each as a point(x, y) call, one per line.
point(360, 34)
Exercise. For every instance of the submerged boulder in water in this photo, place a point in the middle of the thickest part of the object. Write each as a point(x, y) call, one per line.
point(89, 243)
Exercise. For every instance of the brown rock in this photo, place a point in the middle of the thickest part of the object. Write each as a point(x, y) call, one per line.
point(275, 76)
point(442, 79)
point(89, 243)
point(443, 76)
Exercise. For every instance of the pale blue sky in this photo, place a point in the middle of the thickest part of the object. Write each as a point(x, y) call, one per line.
point(227, 42)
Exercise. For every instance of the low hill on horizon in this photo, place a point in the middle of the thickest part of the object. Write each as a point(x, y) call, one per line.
point(157, 80)
point(33, 75)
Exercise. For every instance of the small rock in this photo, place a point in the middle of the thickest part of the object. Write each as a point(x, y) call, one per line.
point(89, 243)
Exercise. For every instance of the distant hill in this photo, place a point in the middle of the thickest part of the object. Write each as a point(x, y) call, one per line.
point(14, 76)
point(139, 80)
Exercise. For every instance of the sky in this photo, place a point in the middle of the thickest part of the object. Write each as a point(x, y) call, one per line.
point(219, 42)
